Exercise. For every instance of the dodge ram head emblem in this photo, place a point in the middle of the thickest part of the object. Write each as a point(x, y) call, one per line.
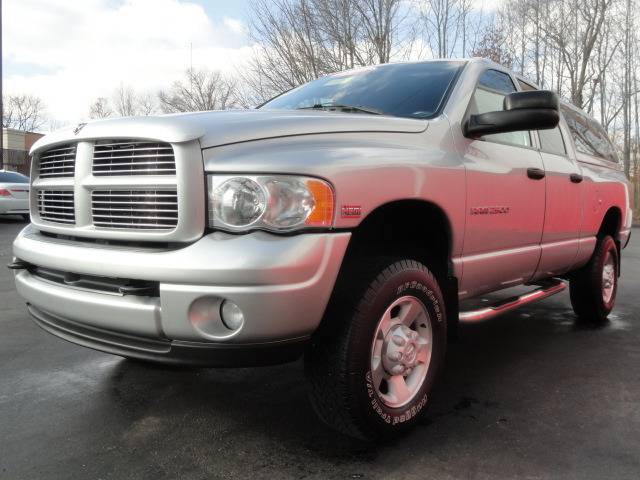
point(78, 128)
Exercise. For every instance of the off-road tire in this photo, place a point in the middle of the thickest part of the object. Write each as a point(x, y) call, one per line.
point(338, 361)
point(586, 285)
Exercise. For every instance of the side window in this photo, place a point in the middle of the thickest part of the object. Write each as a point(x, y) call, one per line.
point(603, 145)
point(524, 86)
point(589, 136)
point(489, 97)
point(551, 141)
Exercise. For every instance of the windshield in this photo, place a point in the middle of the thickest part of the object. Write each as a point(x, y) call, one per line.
point(414, 90)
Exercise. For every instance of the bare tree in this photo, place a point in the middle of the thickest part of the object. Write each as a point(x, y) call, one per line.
point(146, 104)
point(337, 33)
point(287, 52)
point(446, 26)
point(492, 46)
point(200, 90)
point(382, 21)
point(574, 28)
point(124, 101)
point(23, 112)
point(299, 40)
point(100, 108)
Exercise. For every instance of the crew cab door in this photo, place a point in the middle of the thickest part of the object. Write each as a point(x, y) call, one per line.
point(505, 199)
point(564, 199)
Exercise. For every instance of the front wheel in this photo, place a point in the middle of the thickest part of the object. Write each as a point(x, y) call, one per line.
point(371, 368)
point(593, 288)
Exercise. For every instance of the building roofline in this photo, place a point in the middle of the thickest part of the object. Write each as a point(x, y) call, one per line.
point(16, 130)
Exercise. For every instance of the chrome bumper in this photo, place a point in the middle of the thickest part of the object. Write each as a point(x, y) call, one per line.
point(282, 284)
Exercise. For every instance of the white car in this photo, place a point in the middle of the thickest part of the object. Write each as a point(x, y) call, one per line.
point(14, 194)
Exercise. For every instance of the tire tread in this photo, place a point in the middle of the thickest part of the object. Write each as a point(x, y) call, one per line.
point(585, 286)
point(328, 391)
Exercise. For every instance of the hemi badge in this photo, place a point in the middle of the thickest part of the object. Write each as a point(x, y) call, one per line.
point(351, 211)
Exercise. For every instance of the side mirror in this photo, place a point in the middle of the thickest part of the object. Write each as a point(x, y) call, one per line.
point(531, 110)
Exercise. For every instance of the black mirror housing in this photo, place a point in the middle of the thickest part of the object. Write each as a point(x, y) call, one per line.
point(532, 110)
point(532, 99)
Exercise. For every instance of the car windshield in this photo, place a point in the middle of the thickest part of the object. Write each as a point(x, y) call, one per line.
point(413, 90)
point(13, 177)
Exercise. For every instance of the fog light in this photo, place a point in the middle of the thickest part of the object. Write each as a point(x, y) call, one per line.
point(231, 315)
point(203, 314)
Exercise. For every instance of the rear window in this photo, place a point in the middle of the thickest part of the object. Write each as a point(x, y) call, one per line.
point(589, 136)
point(13, 177)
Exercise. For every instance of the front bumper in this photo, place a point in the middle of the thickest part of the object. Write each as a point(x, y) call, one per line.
point(281, 284)
point(171, 351)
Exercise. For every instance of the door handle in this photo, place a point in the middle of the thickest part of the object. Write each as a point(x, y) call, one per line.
point(535, 173)
point(575, 177)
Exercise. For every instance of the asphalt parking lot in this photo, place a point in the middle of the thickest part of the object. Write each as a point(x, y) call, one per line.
point(528, 395)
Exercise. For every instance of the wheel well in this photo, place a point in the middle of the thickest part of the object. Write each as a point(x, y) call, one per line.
point(407, 228)
point(410, 229)
point(611, 223)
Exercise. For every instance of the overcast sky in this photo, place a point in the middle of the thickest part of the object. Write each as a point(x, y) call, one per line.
point(69, 52)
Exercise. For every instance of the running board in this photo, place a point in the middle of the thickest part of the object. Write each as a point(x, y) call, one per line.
point(505, 306)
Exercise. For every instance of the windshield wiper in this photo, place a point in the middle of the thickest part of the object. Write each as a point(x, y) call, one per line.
point(344, 108)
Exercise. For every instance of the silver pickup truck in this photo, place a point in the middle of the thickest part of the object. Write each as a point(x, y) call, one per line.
point(344, 220)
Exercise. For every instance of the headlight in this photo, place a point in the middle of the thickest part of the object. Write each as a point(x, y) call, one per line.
point(238, 202)
point(274, 202)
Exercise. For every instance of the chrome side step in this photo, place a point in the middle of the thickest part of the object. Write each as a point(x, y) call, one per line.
point(474, 316)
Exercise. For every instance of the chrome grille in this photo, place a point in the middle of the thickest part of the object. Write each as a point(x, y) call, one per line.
point(56, 206)
point(135, 209)
point(58, 162)
point(133, 157)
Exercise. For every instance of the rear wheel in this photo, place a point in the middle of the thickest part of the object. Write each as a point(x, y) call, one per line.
point(593, 288)
point(372, 366)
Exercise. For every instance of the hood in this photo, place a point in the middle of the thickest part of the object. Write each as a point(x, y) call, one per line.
point(217, 128)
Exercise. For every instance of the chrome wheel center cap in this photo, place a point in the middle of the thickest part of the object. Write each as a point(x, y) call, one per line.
point(400, 350)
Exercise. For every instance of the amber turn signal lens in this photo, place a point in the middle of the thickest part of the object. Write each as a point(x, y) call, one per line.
point(322, 213)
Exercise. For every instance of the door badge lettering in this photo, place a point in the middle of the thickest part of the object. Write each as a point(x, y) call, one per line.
point(497, 210)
